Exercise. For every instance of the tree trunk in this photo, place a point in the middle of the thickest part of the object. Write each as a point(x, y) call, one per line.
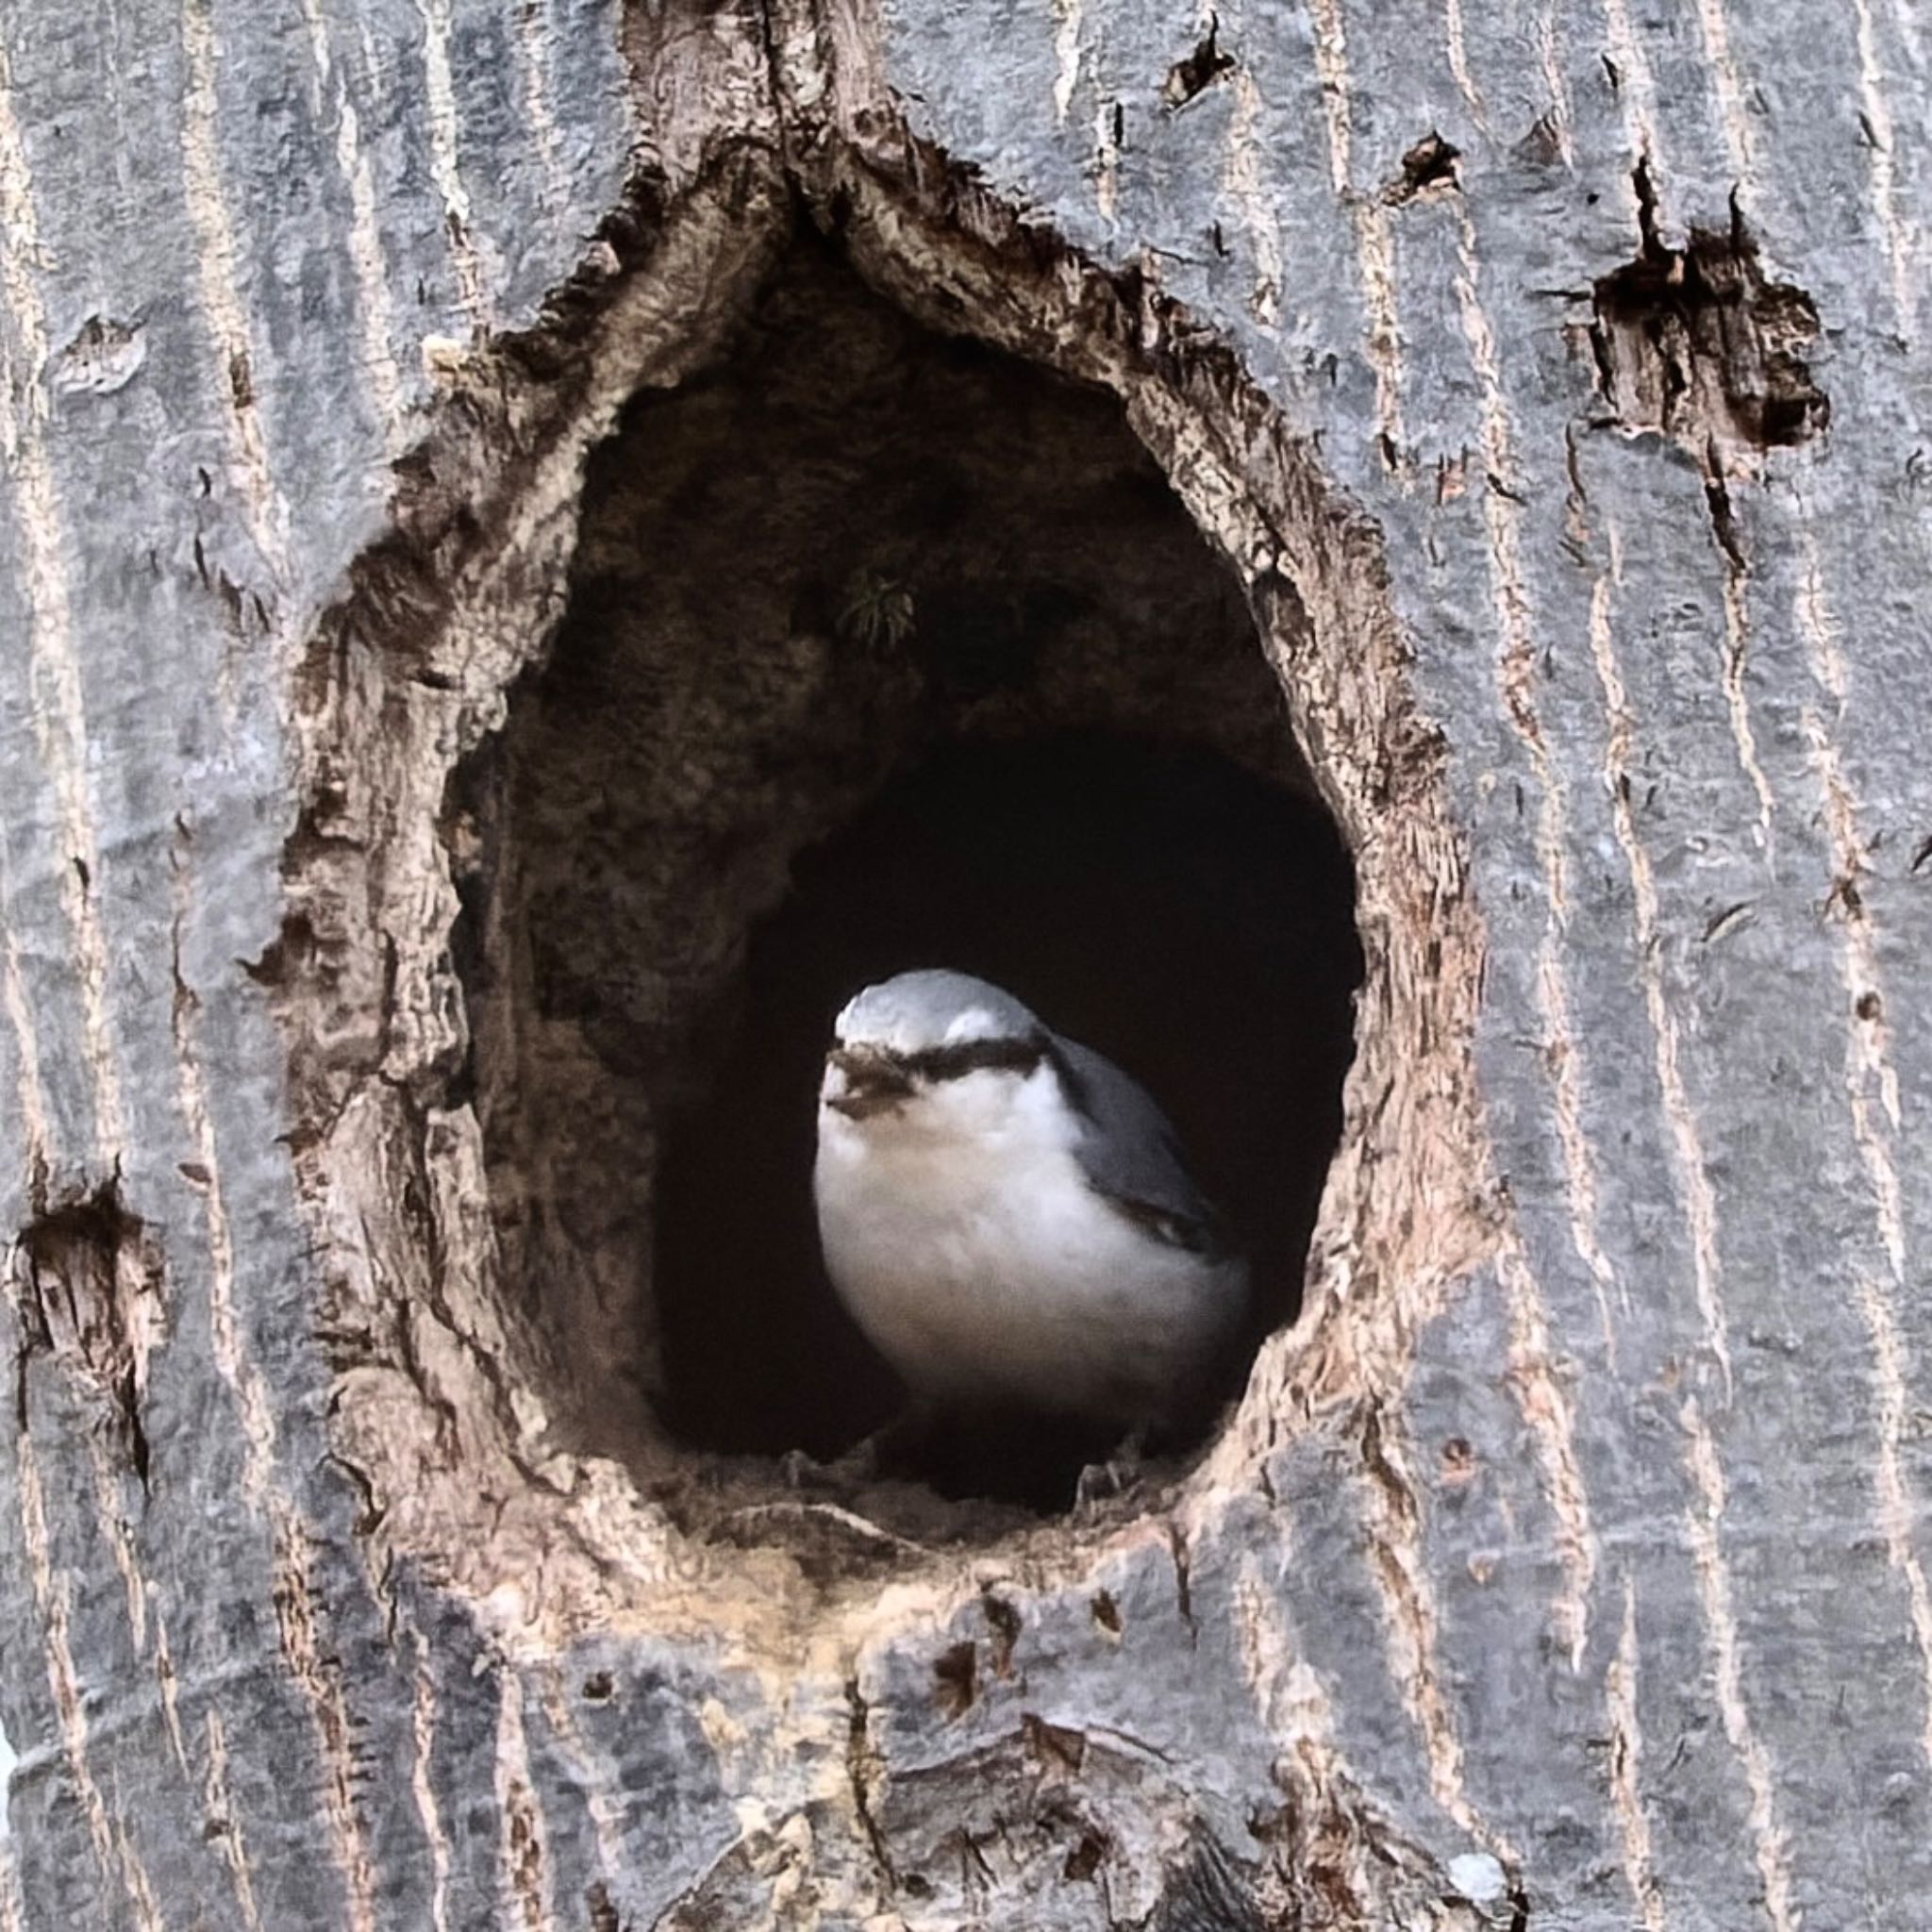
point(1561, 1564)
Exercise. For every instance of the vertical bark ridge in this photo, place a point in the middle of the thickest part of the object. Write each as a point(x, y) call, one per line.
point(114, 1859)
point(233, 1360)
point(1393, 1518)
point(1698, 1205)
point(1626, 1769)
point(302, 1623)
point(1636, 86)
point(1737, 703)
point(1870, 1076)
point(59, 716)
point(1561, 116)
point(446, 162)
point(30, 1091)
point(1768, 1839)
point(13, 1914)
point(1456, 47)
point(1698, 1199)
point(1375, 244)
point(1897, 234)
point(224, 299)
point(1247, 185)
point(224, 1822)
point(523, 1849)
point(1546, 1408)
point(1727, 92)
point(532, 35)
point(422, 1713)
point(362, 243)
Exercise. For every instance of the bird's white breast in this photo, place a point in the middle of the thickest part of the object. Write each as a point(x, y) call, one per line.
point(964, 1235)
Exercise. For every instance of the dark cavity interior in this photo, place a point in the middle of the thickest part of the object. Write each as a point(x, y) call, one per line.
point(883, 649)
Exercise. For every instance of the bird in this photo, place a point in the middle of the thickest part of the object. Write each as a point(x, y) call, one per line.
point(1007, 1216)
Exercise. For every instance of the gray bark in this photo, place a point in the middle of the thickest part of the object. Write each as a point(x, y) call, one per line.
point(1564, 1564)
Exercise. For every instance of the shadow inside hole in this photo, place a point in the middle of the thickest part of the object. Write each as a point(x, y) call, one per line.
point(1189, 919)
point(851, 559)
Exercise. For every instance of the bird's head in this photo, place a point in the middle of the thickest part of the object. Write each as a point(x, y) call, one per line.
point(916, 1035)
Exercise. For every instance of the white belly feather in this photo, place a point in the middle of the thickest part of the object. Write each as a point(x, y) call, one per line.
point(964, 1237)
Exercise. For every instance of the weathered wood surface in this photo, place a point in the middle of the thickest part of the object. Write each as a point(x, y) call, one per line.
point(1566, 1566)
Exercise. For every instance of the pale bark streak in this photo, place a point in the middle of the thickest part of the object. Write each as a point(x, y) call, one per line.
point(1373, 243)
point(224, 1824)
point(1412, 1624)
point(371, 279)
point(1247, 185)
point(1900, 244)
point(1331, 70)
point(27, 1087)
point(1516, 674)
point(1737, 705)
point(1550, 57)
point(59, 713)
point(1107, 163)
point(12, 1917)
point(531, 33)
point(523, 1849)
point(1066, 56)
point(423, 1783)
point(1539, 1391)
point(244, 1380)
point(1458, 63)
point(1699, 1203)
point(1714, 1591)
point(363, 242)
point(1698, 1198)
point(1545, 1403)
point(168, 1681)
point(119, 1535)
point(113, 1855)
point(297, 1615)
point(1626, 1770)
point(223, 301)
point(147, 1907)
point(1636, 89)
point(446, 160)
point(1869, 1068)
point(298, 1612)
point(1730, 94)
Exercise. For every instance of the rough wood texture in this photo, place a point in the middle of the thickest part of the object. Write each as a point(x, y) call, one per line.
point(1554, 379)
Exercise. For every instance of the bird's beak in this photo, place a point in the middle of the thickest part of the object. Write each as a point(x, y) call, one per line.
point(860, 1083)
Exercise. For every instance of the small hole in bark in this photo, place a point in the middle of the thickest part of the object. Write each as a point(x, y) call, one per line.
point(1429, 164)
point(1084, 1859)
point(1699, 344)
point(1005, 1623)
point(956, 1677)
point(87, 1285)
point(1199, 69)
point(883, 650)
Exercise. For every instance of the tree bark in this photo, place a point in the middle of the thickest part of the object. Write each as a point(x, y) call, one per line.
point(1555, 382)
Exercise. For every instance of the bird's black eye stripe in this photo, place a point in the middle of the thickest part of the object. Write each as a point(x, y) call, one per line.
point(974, 1056)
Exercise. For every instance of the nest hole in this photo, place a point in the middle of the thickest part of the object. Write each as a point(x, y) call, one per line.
point(882, 649)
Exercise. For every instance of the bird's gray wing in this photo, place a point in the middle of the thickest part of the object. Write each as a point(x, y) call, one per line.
point(1131, 1155)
